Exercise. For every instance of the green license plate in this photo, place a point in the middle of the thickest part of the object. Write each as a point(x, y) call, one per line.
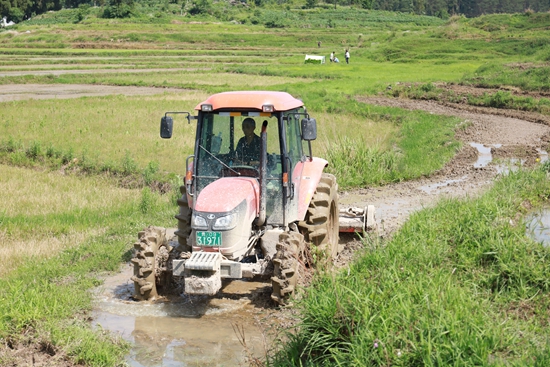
point(211, 239)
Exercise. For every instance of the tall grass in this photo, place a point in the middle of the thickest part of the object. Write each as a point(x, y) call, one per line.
point(422, 144)
point(527, 76)
point(461, 284)
point(59, 233)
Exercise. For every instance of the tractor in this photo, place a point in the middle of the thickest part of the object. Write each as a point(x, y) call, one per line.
point(243, 217)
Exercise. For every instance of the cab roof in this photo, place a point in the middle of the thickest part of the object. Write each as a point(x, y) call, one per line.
point(281, 101)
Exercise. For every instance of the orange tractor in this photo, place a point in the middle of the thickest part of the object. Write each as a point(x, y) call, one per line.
point(250, 206)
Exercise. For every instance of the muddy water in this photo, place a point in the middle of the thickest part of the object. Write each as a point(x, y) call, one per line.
point(538, 226)
point(184, 331)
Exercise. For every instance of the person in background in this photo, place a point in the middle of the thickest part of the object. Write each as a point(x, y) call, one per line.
point(332, 56)
point(347, 56)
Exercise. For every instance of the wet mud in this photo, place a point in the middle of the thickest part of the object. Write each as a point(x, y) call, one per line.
point(226, 330)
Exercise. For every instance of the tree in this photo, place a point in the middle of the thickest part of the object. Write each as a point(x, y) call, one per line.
point(310, 4)
point(119, 9)
point(201, 7)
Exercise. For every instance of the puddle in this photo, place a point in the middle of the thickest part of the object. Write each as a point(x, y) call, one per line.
point(484, 156)
point(511, 165)
point(543, 156)
point(183, 331)
point(538, 226)
point(432, 188)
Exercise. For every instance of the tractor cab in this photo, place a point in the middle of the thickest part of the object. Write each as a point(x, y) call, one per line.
point(219, 153)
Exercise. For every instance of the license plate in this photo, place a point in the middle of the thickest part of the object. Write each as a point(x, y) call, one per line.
point(211, 239)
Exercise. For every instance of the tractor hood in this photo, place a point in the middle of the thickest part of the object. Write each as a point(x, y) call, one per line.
point(227, 193)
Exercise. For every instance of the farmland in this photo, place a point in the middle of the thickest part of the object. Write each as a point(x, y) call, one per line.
point(458, 284)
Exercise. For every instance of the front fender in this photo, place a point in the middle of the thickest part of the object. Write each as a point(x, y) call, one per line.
point(307, 183)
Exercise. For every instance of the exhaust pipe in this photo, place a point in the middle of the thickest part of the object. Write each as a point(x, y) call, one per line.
point(260, 220)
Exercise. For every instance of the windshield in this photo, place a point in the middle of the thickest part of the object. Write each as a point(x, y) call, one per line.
point(229, 146)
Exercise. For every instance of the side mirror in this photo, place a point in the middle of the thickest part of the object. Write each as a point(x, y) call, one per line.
point(309, 129)
point(166, 124)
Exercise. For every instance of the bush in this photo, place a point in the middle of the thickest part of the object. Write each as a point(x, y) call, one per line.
point(276, 19)
point(201, 7)
point(16, 15)
point(119, 9)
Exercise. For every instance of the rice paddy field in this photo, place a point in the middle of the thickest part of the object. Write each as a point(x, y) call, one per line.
point(79, 177)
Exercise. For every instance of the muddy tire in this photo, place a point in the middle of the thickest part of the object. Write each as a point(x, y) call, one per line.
point(150, 263)
point(184, 221)
point(286, 266)
point(320, 226)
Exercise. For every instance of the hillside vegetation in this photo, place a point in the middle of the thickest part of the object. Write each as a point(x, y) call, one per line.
point(458, 286)
point(18, 10)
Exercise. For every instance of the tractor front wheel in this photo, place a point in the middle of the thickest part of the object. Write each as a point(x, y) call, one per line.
point(320, 226)
point(184, 221)
point(286, 266)
point(150, 261)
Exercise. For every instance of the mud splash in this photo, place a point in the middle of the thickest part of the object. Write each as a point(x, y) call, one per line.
point(185, 331)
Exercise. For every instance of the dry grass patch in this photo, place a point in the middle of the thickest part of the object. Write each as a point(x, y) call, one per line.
point(15, 251)
point(42, 212)
point(333, 127)
point(31, 193)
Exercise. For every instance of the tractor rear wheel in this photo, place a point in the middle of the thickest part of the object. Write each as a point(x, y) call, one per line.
point(184, 221)
point(150, 261)
point(286, 266)
point(320, 225)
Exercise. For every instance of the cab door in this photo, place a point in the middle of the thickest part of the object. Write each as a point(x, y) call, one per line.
point(294, 161)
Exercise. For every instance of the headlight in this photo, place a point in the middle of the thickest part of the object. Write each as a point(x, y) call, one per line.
point(226, 222)
point(198, 222)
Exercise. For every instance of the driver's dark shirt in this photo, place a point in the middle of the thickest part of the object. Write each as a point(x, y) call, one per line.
point(249, 152)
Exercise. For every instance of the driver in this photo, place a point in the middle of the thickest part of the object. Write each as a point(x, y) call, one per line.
point(248, 147)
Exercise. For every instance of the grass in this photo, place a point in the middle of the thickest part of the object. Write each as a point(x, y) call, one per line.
point(46, 212)
point(119, 134)
point(100, 130)
point(72, 230)
point(421, 144)
point(460, 284)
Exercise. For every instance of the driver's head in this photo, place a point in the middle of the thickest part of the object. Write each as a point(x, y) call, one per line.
point(248, 126)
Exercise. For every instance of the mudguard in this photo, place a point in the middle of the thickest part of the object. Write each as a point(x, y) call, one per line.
point(306, 183)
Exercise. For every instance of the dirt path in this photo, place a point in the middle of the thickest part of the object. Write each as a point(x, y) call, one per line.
point(504, 138)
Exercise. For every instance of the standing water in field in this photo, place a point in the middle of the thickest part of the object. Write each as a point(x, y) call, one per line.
point(185, 331)
point(538, 226)
point(484, 156)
